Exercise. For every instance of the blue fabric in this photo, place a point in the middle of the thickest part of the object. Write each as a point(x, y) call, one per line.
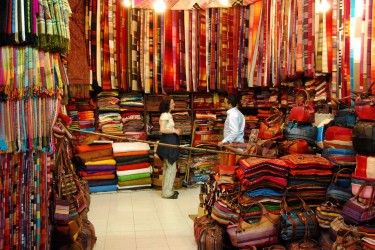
point(107, 188)
point(263, 192)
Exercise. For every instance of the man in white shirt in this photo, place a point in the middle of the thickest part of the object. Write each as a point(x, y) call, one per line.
point(235, 123)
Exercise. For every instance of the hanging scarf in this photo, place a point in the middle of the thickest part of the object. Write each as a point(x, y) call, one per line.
point(169, 67)
point(78, 64)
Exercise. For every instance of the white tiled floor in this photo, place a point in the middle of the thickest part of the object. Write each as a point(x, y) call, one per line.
point(143, 220)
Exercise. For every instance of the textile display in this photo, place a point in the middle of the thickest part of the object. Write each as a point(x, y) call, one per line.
point(37, 23)
point(120, 147)
point(194, 44)
point(24, 219)
point(78, 62)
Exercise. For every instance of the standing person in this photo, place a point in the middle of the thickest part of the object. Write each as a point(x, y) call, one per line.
point(234, 125)
point(168, 155)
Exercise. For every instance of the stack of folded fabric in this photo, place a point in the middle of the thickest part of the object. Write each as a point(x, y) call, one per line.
point(181, 101)
point(110, 123)
point(81, 111)
point(131, 102)
point(309, 176)
point(182, 120)
point(109, 120)
point(155, 126)
point(248, 100)
point(263, 99)
point(251, 122)
point(203, 101)
point(132, 121)
point(97, 167)
point(262, 180)
point(132, 165)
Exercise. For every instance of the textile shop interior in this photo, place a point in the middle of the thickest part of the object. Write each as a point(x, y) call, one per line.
point(83, 120)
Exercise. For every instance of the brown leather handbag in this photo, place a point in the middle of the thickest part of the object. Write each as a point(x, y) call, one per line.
point(347, 240)
point(271, 128)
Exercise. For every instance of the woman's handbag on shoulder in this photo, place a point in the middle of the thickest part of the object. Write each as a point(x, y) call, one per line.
point(258, 234)
point(302, 113)
point(294, 223)
point(355, 212)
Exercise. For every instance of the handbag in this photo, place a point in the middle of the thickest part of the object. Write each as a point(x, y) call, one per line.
point(294, 224)
point(302, 113)
point(364, 138)
point(365, 105)
point(364, 168)
point(347, 240)
point(338, 137)
point(267, 148)
point(208, 235)
point(264, 232)
point(338, 225)
point(297, 146)
point(327, 212)
point(270, 128)
point(340, 189)
point(223, 213)
point(345, 116)
point(296, 130)
point(356, 212)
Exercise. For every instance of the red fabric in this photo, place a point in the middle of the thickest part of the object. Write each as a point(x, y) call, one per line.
point(133, 166)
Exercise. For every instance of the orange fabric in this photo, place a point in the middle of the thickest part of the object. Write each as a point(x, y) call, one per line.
point(90, 148)
point(131, 153)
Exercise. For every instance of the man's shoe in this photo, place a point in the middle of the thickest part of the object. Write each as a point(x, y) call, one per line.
point(174, 196)
point(176, 192)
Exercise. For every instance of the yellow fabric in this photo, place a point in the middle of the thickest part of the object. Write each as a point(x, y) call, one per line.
point(103, 162)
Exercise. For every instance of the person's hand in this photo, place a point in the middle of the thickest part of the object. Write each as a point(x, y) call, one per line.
point(220, 144)
point(178, 131)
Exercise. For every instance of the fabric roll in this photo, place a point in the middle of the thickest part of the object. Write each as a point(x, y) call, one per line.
point(120, 147)
point(94, 183)
point(103, 162)
point(133, 177)
point(135, 171)
point(107, 188)
point(143, 181)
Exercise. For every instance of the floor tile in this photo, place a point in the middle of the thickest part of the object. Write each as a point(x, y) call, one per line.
point(136, 220)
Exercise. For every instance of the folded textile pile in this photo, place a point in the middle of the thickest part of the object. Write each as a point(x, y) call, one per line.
point(132, 102)
point(132, 165)
point(132, 121)
point(95, 163)
point(109, 119)
point(262, 180)
point(309, 176)
point(81, 111)
point(248, 100)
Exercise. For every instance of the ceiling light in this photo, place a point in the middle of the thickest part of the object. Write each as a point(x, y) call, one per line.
point(127, 3)
point(159, 6)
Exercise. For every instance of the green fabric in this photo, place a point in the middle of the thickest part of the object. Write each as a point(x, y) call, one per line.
point(133, 177)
